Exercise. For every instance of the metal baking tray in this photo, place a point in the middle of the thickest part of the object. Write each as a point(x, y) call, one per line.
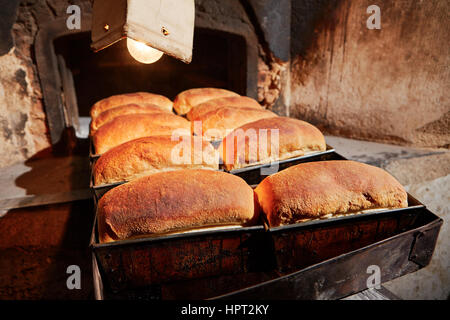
point(192, 265)
point(130, 264)
point(255, 174)
point(399, 242)
point(334, 235)
point(404, 243)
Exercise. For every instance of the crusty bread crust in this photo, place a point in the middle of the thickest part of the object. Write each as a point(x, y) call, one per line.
point(144, 156)
point(127, 98)
point(175, 201)
point(225, 119)
point(239, 102)
point(187, 99)
point(133, 126)
point(131, 108)
point(241, 147)
point(317, 189)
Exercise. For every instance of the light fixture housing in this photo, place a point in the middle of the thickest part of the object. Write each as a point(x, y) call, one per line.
point(166, 25)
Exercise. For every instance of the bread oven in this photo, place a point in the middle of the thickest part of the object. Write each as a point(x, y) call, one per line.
point(244, 47)
point(231, 50)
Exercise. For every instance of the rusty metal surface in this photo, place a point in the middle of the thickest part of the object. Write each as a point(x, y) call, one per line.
point(299, 245)
point(423, 246)
point(347, 273)
point(317, 263)
point(152, 261)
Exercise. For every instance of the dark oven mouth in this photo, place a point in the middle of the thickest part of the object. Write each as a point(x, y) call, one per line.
point(219, 60)
point(82, 77)
point(234, 48)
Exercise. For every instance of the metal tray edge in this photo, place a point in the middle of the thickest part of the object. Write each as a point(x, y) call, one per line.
point(278, 162)
point(94, 243)
point(437, 221)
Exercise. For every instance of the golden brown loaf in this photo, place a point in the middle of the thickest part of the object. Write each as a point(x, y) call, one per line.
point(210, 105)
point(133, 126)
point(175, 201)
point(187, 99)
point(127, 98)
point(216, 124)
point(324, 188)
point(131, 108)
point(144, 156)
point(255, 142)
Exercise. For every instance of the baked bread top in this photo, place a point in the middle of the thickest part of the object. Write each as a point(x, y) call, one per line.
point(326, 188)
point(210, 105)
point(147, 155)
point(187, 99)
point(175, 201)
point(216, 124)
point(132, 126)
point(127, 98)
point(131, 108)
point(269, 139)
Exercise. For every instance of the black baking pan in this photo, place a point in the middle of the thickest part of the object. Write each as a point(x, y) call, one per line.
point(256, 258)
point(319, 239)
point(255, 174)
point(399, 243)
point(404, 242)
point(135, 263)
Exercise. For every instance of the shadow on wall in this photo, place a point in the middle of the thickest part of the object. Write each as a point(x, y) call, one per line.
point(306, 16)
point(62, 168)
point(8, 16)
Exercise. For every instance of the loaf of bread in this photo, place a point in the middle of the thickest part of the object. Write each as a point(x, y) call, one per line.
point(133, 126)
point(210, 105)
point(144, 156)
point(132, 108)
point(187, 99)
point(175, 201)
point(257, 142)
point(216, 124)
point(127, 98)
point(325, 189)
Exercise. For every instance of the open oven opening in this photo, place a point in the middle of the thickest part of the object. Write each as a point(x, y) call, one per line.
point(219, 60)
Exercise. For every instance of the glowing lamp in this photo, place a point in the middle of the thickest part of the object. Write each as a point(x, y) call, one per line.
point(151, 27)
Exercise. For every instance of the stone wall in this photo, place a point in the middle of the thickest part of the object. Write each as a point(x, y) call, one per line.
point(388, 85)
point(23, 130)
point(23, 124)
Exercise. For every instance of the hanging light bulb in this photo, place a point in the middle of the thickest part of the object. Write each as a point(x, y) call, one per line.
point(143, 53)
